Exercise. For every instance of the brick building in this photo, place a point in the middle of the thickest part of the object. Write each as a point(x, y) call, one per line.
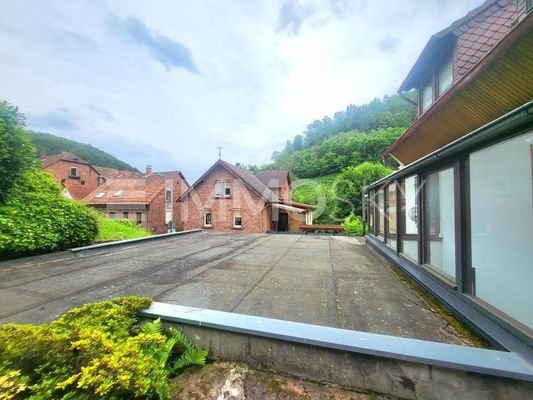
point(227, 197)
point(146, 199)
point(77, 176)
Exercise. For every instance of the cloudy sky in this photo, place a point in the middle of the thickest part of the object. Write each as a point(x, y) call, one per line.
point(166, 82)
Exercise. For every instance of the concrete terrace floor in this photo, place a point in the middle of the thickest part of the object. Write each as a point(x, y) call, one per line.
point(325, 280)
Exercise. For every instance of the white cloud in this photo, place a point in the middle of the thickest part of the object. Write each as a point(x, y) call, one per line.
point(267, 69)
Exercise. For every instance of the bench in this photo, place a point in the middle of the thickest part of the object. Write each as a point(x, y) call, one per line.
point(325, 228)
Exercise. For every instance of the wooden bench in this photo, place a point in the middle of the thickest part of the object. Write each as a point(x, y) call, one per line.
point(326, 228)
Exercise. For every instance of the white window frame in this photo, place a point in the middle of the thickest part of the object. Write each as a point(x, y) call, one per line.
point(226, 186)
point(75, 174)
point(168, 196)
point(237, 214)
point(206, 213)
point(448, 69)
point(218, 189)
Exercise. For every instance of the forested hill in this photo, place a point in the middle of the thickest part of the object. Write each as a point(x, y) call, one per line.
point(51, 144)
point(358, 134)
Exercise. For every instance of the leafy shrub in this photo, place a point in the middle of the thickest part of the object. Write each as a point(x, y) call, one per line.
point(16, 151)
point(350, 183)
point(37, 218)
point(118, 229)
point(97, 351)
point(353, 225)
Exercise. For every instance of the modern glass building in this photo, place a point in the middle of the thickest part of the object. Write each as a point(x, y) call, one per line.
point(457, 216)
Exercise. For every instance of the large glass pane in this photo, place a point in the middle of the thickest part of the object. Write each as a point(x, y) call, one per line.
point(501, 205)
point(440, 220)
point(426, 97)
point(380, 213)
point(370, 212)
point(410, 218)
point(391, 215)
point(445, 77)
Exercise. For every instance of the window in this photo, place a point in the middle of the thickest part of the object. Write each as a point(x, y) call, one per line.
point(100, 195)
point(502, 225)
point(125, 215)
point(168, 196)
point(380, 213)
point(112, 215)
point(445, 77)
point(391, 215)
point(426, 97)
point(73, 172)
point(370, 215)
point(218, 189)
point(227, 189)
point(440, 222)
point(118, 193)
point(208, 218)
point(139, 217)
point(237, 219)
point(409, 215)
point(101, 180)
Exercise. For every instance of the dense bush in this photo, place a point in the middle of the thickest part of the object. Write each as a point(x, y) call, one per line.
point(353, 225)
point(97, 351)
point(350, 183)
point(37, 218)
point(16, 151)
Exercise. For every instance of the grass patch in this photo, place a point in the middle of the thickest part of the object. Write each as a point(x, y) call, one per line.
point(114, 229)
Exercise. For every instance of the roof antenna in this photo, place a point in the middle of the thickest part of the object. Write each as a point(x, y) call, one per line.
point(219, 148)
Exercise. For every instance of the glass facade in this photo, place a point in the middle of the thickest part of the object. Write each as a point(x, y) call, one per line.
point(409, 214)
point(440, 222)
point(391, 215)
point(501, 218)
point(380, 203)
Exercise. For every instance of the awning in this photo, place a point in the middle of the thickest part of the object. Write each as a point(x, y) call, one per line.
point(289, 208)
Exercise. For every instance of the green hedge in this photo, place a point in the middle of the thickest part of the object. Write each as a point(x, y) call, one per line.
point(353, 225)
point(97, 351)
point(37, 218)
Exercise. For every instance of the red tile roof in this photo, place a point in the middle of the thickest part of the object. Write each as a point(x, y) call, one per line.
point(125, 190)
point(77, 190)
point(63, 156)
point(273, 179)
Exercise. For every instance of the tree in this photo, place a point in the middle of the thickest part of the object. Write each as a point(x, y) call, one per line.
point(16, 151)
point(349, 185)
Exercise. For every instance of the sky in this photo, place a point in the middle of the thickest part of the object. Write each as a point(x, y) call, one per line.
point(166, 82)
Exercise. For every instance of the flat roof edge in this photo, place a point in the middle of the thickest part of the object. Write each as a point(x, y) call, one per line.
point(482, 361)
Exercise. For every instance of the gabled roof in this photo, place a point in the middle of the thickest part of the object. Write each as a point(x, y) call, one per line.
point(107, 172)
point(475, 34)
point(127, 190)
point(63, 156)
point(275, 178)
point(249, 179)
point(77, 190)
point(172, 174)
point(498, 84)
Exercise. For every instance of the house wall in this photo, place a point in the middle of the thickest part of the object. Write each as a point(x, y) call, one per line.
point(156, 214)
point(254, 218)
point(88, 177)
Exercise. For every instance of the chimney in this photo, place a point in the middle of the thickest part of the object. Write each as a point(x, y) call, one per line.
point(148, 169)
point(238, 164)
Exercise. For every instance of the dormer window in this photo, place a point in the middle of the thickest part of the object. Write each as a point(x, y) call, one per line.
point(439, 82)
point(73, 173)
point(101, 180)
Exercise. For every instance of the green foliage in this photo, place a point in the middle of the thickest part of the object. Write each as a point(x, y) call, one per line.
point(353, 225)
point(317, 191)
point(389, 112)
point(118, 229)
point(37, 218)
point(51, 144)
point(16, 152)
point(350, 183)
point(338, 152)
point(97, 351)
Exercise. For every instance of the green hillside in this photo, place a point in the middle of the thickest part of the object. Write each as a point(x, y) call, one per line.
point(51, 144)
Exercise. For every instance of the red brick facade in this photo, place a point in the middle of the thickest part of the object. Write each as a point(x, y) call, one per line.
point(78, 186)
point(254, 210)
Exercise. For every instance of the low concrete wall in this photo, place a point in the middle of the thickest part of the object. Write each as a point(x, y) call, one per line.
point(405, 368)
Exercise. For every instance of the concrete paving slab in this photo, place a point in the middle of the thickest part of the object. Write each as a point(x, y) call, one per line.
point(326, 280)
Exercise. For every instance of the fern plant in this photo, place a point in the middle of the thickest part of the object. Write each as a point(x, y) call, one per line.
point(190, 356)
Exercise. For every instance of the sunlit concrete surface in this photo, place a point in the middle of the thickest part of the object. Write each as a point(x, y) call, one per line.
point(326, 280)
